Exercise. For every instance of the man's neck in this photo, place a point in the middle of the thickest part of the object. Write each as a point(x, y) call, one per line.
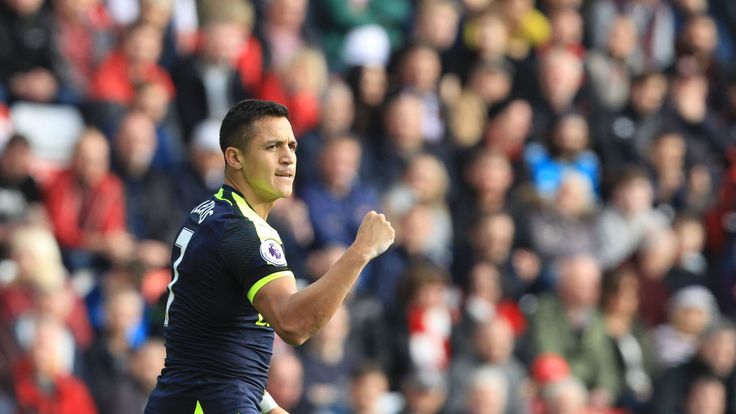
point(261, 208)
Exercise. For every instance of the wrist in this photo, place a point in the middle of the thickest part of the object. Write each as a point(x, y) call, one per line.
point(268, 404)
point(361, 253)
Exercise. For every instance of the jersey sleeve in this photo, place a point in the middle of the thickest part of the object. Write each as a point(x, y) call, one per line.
point(252, 261)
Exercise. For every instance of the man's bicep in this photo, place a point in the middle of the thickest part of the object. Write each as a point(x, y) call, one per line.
point(271, 299)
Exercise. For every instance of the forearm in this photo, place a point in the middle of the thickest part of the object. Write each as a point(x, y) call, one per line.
point(297, 315)
point(301, 314)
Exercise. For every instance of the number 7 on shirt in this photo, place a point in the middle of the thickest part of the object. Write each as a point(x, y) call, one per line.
point(182, 241)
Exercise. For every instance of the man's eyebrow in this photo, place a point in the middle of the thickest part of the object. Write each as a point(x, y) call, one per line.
point(276, 141)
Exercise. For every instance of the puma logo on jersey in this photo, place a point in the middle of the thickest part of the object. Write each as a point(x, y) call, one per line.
point(204, 210)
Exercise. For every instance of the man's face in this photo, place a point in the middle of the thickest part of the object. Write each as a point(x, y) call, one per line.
point(269, 161)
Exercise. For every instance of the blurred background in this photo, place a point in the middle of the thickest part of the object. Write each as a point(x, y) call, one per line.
point(561, 175)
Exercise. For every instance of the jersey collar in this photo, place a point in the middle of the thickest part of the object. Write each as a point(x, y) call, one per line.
point(264, 229)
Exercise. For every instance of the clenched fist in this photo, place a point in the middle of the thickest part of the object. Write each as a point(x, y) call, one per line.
point(374, 236)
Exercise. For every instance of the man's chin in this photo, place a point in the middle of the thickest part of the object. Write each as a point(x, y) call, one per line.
point(285, 192)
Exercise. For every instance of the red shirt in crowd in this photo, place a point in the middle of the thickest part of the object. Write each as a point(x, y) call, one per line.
point(69, 395)
point(115, 80)
point(76, 211)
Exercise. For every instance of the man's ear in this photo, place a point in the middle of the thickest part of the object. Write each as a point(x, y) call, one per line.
point(233, 158)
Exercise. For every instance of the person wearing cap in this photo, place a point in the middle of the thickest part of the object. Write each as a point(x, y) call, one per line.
point(691, 311)
point(202, 175)
point(715, 360)
point(424, 393)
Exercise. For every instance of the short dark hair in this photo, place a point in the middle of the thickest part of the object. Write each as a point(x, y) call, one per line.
point(18, 139)
point(238, 123)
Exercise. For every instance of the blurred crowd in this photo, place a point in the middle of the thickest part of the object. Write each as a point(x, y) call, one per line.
point(561, 175)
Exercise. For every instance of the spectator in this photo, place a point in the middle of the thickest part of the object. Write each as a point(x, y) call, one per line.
point(208, 82)
point(492, 241)
point(566, 24)
point(414, 243)
point(689, 114)
point(487, 179)
point(338, 18)
point(160, 13)
point(86, 206)
point(635, 358)
point(655, 26)
point(691, 266)
point(298, 84)
point(339, 200)
point(628, 219)
point(610, 70)
point(467, 116)
point(404, 138)
point(369, 83)
point(144, 367)
point(108, 359)
point(560, 76)
point(42, 383)
point(152, 100)
point(203, 174)
point(654, 260)
point(529, 28)
point(627, 136)
point(337, 116)
point(19, 192)
point(84, 36)
point(284, 31)
point(487, 392)
point(368, 391)
point(436, 24)
point(150, 201)
point(290, 217)
point(493, 347)
point(424, 393)
point(328, 361)
point(28, 52)
point(40, 287)
point(716, 358)
point(545, 369)
point(492, 38)
point(483, 301)
point(569, 324)
point(508, 130)
point(286, 380)
point(566, 396)
point(565, 225)
point(698, 41)
point(419, 73)
point(678, 186)
point(428, 320)
point(691, 311)
point(425, 182)
point(492, 81)
point(566, 151)
point(135, 62)
point(706, 396)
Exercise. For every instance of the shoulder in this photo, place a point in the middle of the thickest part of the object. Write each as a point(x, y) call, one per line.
point(535, 153)
point(111, 183)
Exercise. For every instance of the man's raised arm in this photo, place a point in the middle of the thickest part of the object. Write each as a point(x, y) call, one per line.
point(297, 315)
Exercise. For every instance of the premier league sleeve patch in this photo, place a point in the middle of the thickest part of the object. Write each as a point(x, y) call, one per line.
point(273, 253)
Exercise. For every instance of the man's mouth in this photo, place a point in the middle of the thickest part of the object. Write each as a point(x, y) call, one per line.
point(285, 174)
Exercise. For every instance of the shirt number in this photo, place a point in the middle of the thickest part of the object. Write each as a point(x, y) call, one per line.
point(261, 321)
point(182, 241)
